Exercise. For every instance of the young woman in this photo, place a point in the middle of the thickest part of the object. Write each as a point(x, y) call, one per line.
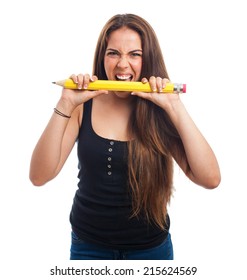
point(126, 146)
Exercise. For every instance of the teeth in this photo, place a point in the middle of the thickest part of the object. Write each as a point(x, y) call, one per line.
point(123, 77)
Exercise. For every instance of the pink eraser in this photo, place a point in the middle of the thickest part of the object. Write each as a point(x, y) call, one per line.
point(184, 88)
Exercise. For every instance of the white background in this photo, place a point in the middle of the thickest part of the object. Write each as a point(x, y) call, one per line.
point(204, 46)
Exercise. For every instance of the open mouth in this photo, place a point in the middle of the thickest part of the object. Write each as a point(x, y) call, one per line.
point(124, 77)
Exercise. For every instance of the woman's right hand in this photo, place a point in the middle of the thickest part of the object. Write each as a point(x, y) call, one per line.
point(73, 98)
point(59, 136)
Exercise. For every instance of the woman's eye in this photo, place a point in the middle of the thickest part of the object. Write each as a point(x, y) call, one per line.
point(136, 54)
point(112, 53)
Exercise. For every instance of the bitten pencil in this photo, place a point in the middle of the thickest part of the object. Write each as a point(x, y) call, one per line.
point(122, 86)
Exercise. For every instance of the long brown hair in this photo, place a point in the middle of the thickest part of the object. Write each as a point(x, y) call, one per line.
point(150, 164)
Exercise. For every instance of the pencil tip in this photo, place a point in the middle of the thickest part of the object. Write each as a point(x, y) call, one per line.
point(53, 82)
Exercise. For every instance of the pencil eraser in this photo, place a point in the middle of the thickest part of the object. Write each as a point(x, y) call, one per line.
point(184, 88)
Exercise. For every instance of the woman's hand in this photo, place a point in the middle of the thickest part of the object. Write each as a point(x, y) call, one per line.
point(157, 95)
point(200, 165)
point(72, 98)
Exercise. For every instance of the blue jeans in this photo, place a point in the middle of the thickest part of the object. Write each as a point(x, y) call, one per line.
point(82, 250)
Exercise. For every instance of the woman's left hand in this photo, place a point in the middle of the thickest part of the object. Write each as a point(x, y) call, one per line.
point(157, 95)
point(200, 165)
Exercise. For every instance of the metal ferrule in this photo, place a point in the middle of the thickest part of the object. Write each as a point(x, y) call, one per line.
point(178, 88)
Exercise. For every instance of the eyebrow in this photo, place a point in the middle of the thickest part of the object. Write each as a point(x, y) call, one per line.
point(137, 50)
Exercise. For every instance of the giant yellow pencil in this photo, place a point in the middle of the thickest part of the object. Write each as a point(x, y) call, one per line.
point(122, 86)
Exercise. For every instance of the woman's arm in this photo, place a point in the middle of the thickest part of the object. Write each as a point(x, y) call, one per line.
point(200, 164)
point(60, 134)
point(53, 147)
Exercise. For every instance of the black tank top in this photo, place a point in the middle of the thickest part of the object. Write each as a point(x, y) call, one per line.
point(101, 211)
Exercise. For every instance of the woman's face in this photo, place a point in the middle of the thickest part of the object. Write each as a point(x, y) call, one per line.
point(123, 56)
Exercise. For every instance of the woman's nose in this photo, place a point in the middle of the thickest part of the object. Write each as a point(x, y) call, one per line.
point(123, 62)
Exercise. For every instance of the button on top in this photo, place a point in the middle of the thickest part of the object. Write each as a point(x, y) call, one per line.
point(112, 143)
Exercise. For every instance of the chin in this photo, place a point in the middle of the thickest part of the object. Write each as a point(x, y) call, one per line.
point(122, 94)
